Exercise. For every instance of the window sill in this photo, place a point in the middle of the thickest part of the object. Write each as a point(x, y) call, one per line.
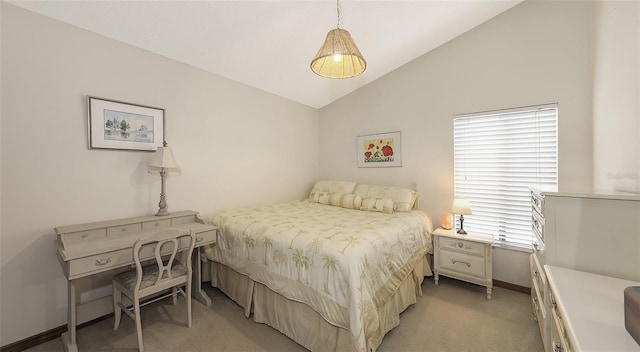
point(512, 247)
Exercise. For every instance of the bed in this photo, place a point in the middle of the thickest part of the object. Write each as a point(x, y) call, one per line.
point(332, 272)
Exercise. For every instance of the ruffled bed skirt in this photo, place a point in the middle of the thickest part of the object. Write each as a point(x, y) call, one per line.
point(301, 323)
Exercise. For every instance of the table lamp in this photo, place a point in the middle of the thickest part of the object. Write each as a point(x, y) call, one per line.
point(164, 164)
point(461, 206)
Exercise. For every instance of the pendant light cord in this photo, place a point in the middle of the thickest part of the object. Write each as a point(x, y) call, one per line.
point(338, 10)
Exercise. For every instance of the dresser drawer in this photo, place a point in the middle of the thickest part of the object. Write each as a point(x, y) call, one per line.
point(537, 224)
point(560, 339)
point(462, 246)
point(537, 202)
point(462, 263)
point(538, 287)
point(537, 274)
point(538, 313)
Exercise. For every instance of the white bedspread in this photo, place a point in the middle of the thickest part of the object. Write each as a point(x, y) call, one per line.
point(343, 263)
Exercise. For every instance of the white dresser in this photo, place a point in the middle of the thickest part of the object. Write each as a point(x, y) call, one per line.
point(593, 233)
point(587, 311)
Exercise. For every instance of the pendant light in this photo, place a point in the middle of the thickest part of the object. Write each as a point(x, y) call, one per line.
point(339, 56)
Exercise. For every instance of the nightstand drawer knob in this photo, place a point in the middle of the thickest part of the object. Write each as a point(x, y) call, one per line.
point(460, 244)
point(453, 261)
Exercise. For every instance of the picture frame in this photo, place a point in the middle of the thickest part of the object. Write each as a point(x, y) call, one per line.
point(119, 125)
point(380, 150)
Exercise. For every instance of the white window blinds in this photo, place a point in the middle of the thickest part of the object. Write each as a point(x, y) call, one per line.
point(498, 155)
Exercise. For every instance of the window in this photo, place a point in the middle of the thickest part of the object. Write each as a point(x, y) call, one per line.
point(497, 156)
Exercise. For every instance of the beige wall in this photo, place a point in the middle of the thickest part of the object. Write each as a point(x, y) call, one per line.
point(534, 53)
point(236, 146)
point(616, 97)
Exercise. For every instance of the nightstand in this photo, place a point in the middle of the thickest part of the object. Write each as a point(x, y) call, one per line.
point(463, 257)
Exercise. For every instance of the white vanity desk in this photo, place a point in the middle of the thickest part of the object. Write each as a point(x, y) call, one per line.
point(90, 249)
point(591, 311)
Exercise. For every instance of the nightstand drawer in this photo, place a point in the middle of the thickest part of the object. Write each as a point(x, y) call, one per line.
point(462, 263)
point(462, 245)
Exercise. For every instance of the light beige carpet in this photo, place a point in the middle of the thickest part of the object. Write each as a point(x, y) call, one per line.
point(453, 316)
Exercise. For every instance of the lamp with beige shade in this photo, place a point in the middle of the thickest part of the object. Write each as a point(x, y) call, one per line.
point(461, 206)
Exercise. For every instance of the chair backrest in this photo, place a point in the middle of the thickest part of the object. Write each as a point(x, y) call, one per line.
point(163, 247)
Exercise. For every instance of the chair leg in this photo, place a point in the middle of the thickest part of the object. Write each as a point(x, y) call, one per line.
point(136, 307)
point(117, 298)
point(188, 299)
point(174, 297)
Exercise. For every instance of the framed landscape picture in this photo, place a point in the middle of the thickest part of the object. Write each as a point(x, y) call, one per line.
point(380, 150)
point(118, 125)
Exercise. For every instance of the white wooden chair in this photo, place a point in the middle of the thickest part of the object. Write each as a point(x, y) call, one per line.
point(168, 255)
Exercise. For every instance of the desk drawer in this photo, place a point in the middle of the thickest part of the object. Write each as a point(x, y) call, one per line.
point(156, 224)
point(462, 263)
point(122, 257)
point(100, 262)
point(462, 245)
point(124, 229)
point(206, 237)
point(183, 220)
point(76, 237)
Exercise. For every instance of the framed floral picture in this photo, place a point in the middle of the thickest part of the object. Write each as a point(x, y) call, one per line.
point(118, 125)
point(380, 150)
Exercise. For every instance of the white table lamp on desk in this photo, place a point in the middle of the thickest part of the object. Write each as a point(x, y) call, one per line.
point(163, 163)
point(461, 206)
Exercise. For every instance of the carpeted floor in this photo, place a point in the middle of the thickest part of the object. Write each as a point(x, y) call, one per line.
point(453, 316)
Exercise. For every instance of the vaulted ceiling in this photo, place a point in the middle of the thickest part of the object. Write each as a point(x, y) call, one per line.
point(269, 44)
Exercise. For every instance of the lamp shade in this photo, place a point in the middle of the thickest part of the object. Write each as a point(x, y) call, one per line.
point(338, 57)
point(461, 206)
point(163, 159)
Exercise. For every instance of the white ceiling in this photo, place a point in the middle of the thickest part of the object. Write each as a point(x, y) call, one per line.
point(269, 44)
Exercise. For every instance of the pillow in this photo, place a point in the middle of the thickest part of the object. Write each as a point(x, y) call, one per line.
point(333, 186)
point(336, 198)
point(381, 204)
point(403, 198)
point(315, 196)
point(346, 200)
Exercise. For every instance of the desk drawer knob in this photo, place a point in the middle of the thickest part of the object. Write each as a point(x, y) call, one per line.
point(103, 261)
point(199, 239)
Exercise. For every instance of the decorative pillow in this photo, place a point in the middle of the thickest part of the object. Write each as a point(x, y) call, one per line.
point(333, 187)
point(351, 201)
point(315, 196)
point(323, 198)
point(381, 204)
point(336, 198)
point(403, 198)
